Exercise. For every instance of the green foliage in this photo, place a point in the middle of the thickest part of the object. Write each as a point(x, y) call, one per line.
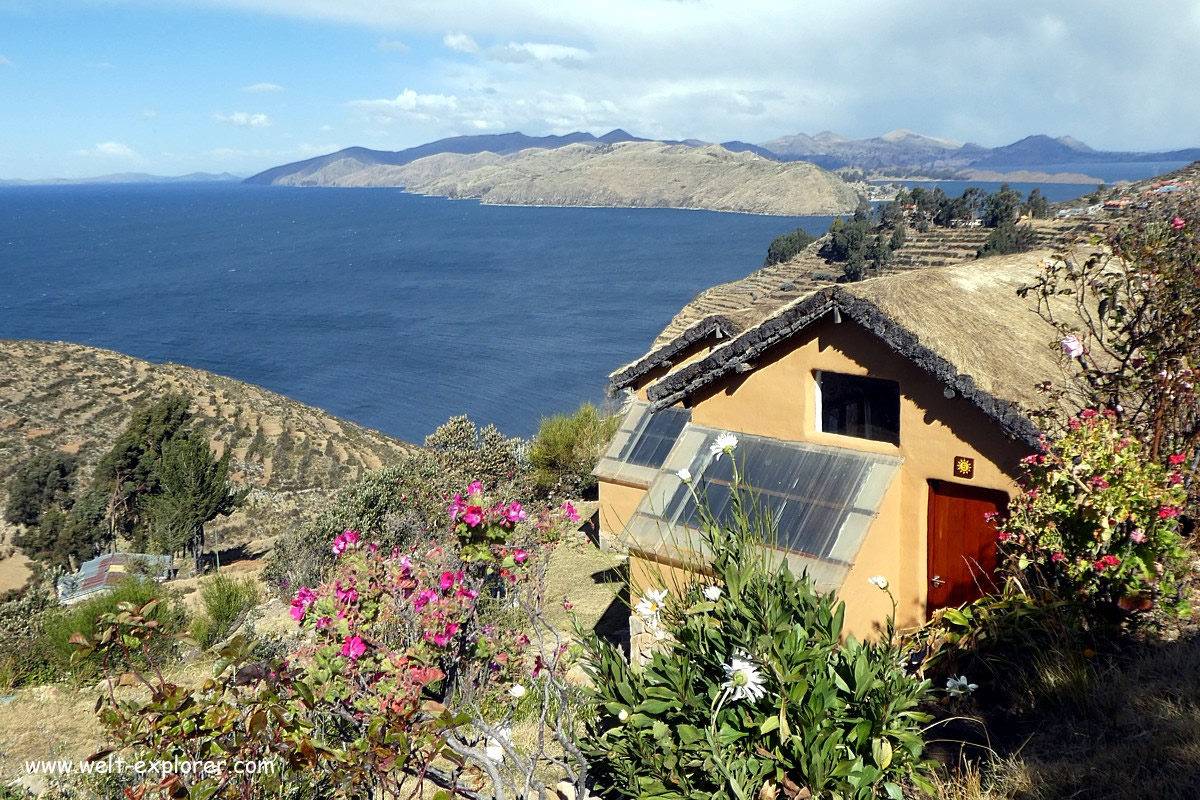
point(21, 626)
point(43, 481)
point(193, 490)
point(1007, 238)
point(61, 624)
point(1132, 307)
point(397, 505)
point(1097, 521)
point(1001, 206)
point(838, 719)
point(787, 245)
point(1036, 205)
point(566, 447)
point(225, 602)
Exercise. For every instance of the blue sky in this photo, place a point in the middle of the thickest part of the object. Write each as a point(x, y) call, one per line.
point(175, 86)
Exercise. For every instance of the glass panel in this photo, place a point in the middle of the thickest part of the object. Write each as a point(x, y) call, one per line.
point(649, 448)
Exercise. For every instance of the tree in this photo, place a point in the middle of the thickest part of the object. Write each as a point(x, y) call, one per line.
point(193, 490)
point(1001, 206)
point(129, 471)
point(784, 247)
point(1036, 205)
point(1008, 238)
point(38, 484)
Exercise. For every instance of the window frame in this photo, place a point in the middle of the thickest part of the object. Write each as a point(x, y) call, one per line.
point(819, 407)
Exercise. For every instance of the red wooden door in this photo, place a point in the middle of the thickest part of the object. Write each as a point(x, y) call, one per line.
point(962, 543)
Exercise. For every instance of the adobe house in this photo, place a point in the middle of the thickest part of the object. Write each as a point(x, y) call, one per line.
point(877, 423)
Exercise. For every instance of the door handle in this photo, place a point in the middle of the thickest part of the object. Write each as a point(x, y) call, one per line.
point(937, 581)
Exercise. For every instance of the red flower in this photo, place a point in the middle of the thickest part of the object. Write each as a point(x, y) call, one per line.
point(1167, 512)
point(1177, 459)
point(1057, 557)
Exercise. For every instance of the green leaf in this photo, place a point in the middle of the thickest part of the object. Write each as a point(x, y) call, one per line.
point(881, 751)
point(769, 724)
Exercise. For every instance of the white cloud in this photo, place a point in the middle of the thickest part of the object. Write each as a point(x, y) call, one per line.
point(534, 51)
point(460, 43)
point(262, 88)
point(4, 62)
point(409, 105)
point(149, 113)
point(392, 46)
point(111, 150)
point(244, 120)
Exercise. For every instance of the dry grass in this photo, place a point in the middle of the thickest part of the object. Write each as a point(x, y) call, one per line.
point(1131, 733)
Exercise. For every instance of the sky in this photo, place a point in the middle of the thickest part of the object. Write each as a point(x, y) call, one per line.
point(91, 87)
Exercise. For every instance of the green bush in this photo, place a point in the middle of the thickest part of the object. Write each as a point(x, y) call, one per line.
point(226, 601)
point(21, 622)
point(751, 692)
point(565, 450)
point(399, 504)
point(55, 643)
point(787, 246)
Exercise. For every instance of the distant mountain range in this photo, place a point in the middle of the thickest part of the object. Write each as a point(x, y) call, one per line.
point(623, 174)
point(900, 149)
point(127, 177)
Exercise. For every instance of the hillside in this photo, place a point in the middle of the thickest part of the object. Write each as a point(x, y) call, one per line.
point(624, 174)
point(77, 399)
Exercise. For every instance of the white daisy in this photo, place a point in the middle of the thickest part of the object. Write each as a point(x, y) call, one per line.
point(712, 593)
point(743, 678)
point(517, 691)
point(879, 581)
point(960, 686)
point(685, 475)
point(724, 443)
point(622, 715)
point(651, 605)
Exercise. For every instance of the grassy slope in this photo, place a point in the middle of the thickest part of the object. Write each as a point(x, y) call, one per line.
point(77, 399)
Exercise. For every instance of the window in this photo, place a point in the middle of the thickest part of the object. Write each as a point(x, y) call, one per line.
point(866, 408)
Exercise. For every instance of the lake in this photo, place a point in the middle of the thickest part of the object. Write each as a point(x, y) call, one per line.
point(392, 310)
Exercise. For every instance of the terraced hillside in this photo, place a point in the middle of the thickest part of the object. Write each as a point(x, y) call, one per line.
point(77, 399)
point(749, 299)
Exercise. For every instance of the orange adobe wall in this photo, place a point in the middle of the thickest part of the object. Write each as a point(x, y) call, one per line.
point(778, 399)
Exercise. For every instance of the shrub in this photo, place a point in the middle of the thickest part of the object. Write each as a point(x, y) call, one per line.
point(226, 601)
point(61, 624)
point(1008, 238)
point(752, 691)
point(565, 450)
point(400, 504)
point(399, 678)
point(788, 245)
point(1097, 520)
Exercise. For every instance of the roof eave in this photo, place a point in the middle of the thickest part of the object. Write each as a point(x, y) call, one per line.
point(664, 356)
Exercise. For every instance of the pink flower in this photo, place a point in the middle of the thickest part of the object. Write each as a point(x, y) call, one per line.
point(457, 507)
point(1004, 536)
point(354, 647)
point(1175, 479)
point(1074, 424)
point(520, 555)
point(470, 594)
point(304, 599)
point(347, 540)
point(1177, 459)
point(1057, 557)
point(1167, 512)
point(1137, 536)
point(424, 598)
point(514, 513)
point(1072, 346)
point(1098, 482)
point(570, 511)
point(475, 487)
point(473, 516)
point(1177, 223)
point(447, 581)
point(1111, 560)
point(324, 622)
point(442, 639)
point(348, 595)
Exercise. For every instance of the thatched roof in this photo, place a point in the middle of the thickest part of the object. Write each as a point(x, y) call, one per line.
point(714, 325)
point(964, 324)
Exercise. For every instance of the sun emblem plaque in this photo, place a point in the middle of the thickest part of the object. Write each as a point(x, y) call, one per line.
point(964, 467)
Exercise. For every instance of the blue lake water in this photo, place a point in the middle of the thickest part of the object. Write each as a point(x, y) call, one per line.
point(391, 310)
